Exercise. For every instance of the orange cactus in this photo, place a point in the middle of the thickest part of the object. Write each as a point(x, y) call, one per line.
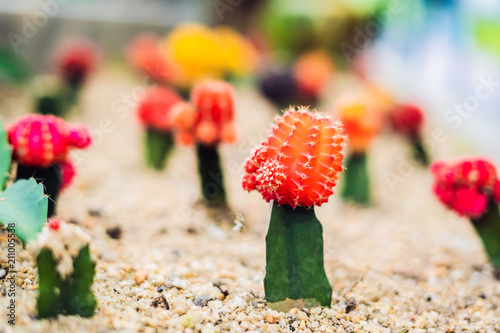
point(209, 119)
point(361, 120)
point(299, 162)
point(145, 55)
point(312, 72)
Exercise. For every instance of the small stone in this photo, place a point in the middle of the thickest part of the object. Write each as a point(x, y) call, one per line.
point(202, 300)
point(114, 232)
point(294, 311)
point(140, 277)
point(270, 319)
point(161, 302)
point(302, 316)
point(187, 321)
point(351, 305)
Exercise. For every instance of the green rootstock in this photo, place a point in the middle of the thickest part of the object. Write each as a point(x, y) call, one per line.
point(66, 296)
point(159, 145)
point(419, 152)
point(5, 157)
point(23, 209)
point(488, 228)
point(57, 105)
point(356, 185)
point(212, 180)
point(50, 177)
point(295, 273)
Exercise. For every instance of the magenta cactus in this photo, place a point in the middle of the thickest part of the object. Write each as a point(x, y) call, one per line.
point(41, 145)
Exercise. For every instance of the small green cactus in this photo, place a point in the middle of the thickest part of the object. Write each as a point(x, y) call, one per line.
point(356, 186)
point(158, 147)
point(61, 290)
point(211, 176)
point(51, 96)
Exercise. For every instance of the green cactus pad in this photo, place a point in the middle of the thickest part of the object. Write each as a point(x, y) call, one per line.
point(158, 147)
point(295, 273)
point(488, 229)
point(70, 296)
point(25, 205)
point(212, 179)
point(356, 185)
point(5, 156)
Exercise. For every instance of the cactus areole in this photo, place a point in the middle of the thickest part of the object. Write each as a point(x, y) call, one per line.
point(295, 169)
point(471, 188)
point(41, 145)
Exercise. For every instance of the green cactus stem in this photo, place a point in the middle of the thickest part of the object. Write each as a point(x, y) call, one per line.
point(212, 182)
point(159, 145)
point(295, 273)
point(51, 96)
point(5, 157)
point(419, 152)
point(51, 179)
point(488, 229)
point(67, 296)
point(356, 185)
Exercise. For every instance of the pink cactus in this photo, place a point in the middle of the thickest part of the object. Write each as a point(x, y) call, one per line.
point(40, 141)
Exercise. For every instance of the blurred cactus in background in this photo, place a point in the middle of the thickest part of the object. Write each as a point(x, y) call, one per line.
point(361, 120)
point(41, 146)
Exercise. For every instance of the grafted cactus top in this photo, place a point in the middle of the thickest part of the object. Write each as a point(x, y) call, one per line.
point(406, 119)
point(40, 141)
point(154, 108)
point(76, 60)
point(299, 162)
point(361, 119)
point(466, 186)
point(210, 119)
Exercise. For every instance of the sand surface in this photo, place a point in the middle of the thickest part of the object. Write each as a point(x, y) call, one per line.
point(404, 264)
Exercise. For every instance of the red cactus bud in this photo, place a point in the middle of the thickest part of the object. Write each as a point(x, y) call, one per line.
point(54, 223)
point(68, 172)
point(465, 186)
point(76, 60)
point(40, 141)
point(155, 107)
point(496, 191)
point(299, 162)
point(406, 119)
point(183, 115)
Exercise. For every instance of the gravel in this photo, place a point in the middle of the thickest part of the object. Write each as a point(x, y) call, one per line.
point(404, 264)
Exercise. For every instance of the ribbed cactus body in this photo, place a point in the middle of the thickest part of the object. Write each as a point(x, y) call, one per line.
point(470, 188)
point(299, 162)
point(65, 271)
point(296, 167)
point(466, 187)
point(43, 140)
point(41, 145)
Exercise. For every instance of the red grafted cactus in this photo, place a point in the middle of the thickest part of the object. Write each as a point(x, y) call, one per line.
point(208, 121)
point(40, 145)
point(471, 188)
point(154, 109)
point(296, 167)
point(407, 119)
point(466, 186)
point(298, 163)
point(154, 112)
point(40, 141)
point(76, 61)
